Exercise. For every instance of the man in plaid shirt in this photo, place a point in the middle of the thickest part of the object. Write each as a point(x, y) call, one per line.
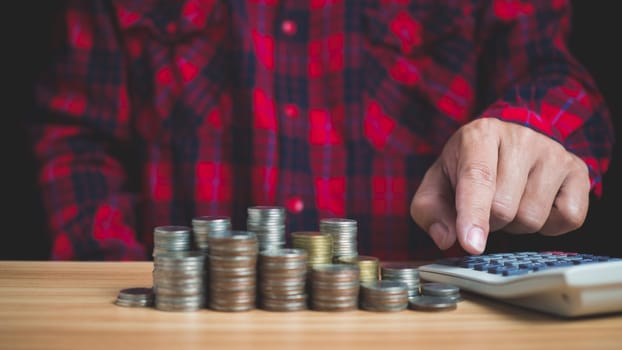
point(431, 123)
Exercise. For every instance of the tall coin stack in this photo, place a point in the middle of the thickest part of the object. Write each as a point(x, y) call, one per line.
point(268, 223)
point(343, 232)
point(172, 239)
point(402, 272)
point(384, 296)
point(178, 281)
point(282, 279)
point(319, 249)
point(232, 259)
point(205, 226)
point(334, 287)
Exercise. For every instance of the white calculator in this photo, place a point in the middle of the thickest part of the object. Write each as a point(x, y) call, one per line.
point(560, 283)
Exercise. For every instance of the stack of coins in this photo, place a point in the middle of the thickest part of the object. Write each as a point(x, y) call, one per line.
point(135, 297)
point(232, 271)
point(343, 232)
point(402, 272)
point(334, 287)
point(178, 281)
point(368, 265)
point(436, 296)
point(318, 246)
point(384, 296)
point(282, 279)
point(205, 226)
point(438, 289)
point(172, 239)
point(268, 223)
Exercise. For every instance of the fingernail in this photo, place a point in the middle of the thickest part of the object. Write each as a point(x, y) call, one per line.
point(439, 233)
point(475, 237)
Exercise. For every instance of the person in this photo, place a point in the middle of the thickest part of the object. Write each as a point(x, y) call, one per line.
point(432, 124)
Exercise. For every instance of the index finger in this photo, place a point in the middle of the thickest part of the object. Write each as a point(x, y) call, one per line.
point(476, 176)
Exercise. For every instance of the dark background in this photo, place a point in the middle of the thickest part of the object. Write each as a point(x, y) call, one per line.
point(27, 27)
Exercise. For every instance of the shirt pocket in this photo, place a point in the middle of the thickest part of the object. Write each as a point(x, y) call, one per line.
point(408, 63)
point(175, 51)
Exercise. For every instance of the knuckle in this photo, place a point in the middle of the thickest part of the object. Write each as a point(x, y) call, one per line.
point(573, 215)
point(475, 130)
point(480, 173)
point(531, 218)
point(580, 167)
point(574, 223)
point(568, 161)
point(485, 123)
point(502, 210)
point(419, 204)
point(416, 205)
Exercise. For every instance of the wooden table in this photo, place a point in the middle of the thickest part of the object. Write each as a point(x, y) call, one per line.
point(70, 305)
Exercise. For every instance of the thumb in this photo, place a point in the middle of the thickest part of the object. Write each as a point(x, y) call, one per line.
point(433, 209)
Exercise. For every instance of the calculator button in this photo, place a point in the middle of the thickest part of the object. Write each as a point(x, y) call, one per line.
point(515, 272)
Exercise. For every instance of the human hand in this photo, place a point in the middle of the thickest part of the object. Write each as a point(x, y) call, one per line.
point(496, 175)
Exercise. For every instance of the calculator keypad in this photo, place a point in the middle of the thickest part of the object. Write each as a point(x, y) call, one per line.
point(520, 263)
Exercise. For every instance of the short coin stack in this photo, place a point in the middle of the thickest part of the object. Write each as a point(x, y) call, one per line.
point(268, 223)
point(402, 272)
point(384, 296)
point(282, 274)
point(135, 297)
point(344, 237)
point(444, 290)
point(178, 281)
point(172, 239)
point(317, 244)
point(436, 296)
point(334, 287)
point(205, 226)
point(368, 266)
point(232, 271)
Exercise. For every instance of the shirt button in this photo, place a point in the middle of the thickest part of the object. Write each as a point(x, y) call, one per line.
point(289, 27)
point(291, 111)
point(171, 28)
point(294, 205)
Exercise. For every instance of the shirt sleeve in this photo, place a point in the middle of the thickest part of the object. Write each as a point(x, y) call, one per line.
point(536, 81)
point(80, 135)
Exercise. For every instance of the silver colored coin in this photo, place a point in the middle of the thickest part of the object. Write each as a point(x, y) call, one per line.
point(284, 253)
point(431, 303)
point(126, 303)
point(335, 268)
point(439, 289)
point(136, 293)
point(135, 297)
point(385, 286)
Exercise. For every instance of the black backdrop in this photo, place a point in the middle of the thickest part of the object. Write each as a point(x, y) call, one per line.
point(27, 29)
point(593, 41)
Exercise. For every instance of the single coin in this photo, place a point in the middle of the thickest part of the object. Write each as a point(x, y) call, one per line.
point(439, 289)
point(135, 297)
point(431, 303)
point(456, 297)
point(124, 303)
point(136, 293)
point(386, 286)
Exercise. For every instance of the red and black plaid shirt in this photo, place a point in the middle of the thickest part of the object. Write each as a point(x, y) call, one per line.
point(154, 112)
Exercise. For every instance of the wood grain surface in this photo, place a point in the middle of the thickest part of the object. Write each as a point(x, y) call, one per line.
point(70, 305)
